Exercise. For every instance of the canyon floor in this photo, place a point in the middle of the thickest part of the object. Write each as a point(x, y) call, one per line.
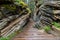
point(31, 33)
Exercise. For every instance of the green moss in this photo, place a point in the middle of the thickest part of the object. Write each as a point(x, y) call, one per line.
point(12, 35)
point(9, 7)
point(2, 38)
point(57, 25)
point(29, 11)
point(9, 37)
point(47, 28)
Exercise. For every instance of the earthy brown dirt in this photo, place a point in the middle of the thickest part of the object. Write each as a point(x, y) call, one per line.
point(31, 33)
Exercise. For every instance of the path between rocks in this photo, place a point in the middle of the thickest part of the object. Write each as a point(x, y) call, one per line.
point(31, 33)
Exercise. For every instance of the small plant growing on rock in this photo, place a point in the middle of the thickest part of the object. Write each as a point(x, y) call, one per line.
point(57, 25)
point(47, 29)
point(2, 38)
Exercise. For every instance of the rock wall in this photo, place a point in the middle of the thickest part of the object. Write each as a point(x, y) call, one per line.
point(47, 13)
point(13, 17)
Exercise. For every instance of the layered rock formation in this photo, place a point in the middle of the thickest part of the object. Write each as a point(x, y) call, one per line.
point(13, 17)
point(47, 13)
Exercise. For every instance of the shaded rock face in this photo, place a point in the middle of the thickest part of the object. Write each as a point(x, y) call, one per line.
point(10, 9)
point(6, 1)
point(12, 17)
point(47, 13)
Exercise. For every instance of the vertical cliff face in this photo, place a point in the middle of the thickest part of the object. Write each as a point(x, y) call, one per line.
point(45, 13)
point(13, 17)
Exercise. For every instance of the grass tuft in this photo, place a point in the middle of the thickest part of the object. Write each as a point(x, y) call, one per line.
point(47, 28)
point(57, 25)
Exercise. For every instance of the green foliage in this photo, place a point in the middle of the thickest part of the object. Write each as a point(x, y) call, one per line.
point(9, 7)
point(57, 25)
point(8, 37)
point(41, 1)
point(12, 35)
point(30, 3)
point(17, 1)
point(2, 38)
point(47, 28)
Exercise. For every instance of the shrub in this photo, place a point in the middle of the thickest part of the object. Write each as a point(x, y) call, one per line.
point(47, 28)
point(2, 38)
point(57, 25)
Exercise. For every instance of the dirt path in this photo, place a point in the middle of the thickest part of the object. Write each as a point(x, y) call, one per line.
point(31, 33)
